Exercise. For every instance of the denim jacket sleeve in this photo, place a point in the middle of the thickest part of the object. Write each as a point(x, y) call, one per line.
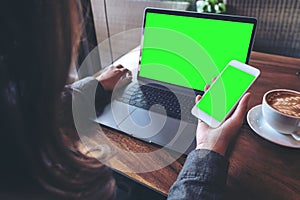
point(85, 93)
point(203, 176)
point(90, 89)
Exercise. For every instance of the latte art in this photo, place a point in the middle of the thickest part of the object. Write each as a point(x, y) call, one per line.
point(285, 102)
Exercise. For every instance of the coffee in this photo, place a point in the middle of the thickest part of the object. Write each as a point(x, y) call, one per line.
point(286, 102)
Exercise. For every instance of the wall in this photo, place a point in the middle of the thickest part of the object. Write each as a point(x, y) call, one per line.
point(278, 24)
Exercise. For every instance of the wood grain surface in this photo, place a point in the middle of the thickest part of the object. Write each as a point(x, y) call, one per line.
point(258, 169)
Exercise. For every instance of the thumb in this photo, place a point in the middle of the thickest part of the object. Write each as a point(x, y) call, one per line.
point(241, 109)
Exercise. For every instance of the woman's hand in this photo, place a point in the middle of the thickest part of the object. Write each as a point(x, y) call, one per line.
point(114, 76)
point(218, 139)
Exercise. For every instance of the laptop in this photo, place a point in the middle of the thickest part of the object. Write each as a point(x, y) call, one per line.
point(180, 53)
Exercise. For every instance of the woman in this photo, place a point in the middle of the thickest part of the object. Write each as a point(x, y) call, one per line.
point(38, 42)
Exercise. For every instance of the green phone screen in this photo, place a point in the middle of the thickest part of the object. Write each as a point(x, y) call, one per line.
point(189, 51)
point(225, 92)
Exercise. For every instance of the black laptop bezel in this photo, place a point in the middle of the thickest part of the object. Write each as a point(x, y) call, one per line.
point(224, 17)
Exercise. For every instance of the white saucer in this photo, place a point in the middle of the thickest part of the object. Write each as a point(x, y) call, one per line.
point(257, 123)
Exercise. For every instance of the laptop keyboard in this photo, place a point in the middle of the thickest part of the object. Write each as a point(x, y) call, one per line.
point(161, 101)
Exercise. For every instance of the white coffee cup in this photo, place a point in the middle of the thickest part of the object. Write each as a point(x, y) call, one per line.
point(279, 120)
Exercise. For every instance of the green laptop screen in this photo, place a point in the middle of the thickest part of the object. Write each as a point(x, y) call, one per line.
point(189, 51)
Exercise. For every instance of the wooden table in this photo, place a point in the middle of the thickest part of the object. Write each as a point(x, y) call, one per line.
point(258, 169)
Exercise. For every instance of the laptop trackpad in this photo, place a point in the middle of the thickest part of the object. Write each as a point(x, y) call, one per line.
point(143, 123)
point(115, 113)
point(160, 129)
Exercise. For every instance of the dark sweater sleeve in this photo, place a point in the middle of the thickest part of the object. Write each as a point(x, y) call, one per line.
point(203, 176)
point(88, 91)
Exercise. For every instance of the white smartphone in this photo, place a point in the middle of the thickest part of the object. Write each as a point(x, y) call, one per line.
point(225, 92)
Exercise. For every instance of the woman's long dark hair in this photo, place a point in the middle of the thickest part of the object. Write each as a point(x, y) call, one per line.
point(38, 39)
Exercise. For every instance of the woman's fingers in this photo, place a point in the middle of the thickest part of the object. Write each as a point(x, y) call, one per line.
point(124, 70)
point(206, 87)
point(241, 109)
point(243, 104)
point(124, 81)
point(119, 66)
point(198, 97)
